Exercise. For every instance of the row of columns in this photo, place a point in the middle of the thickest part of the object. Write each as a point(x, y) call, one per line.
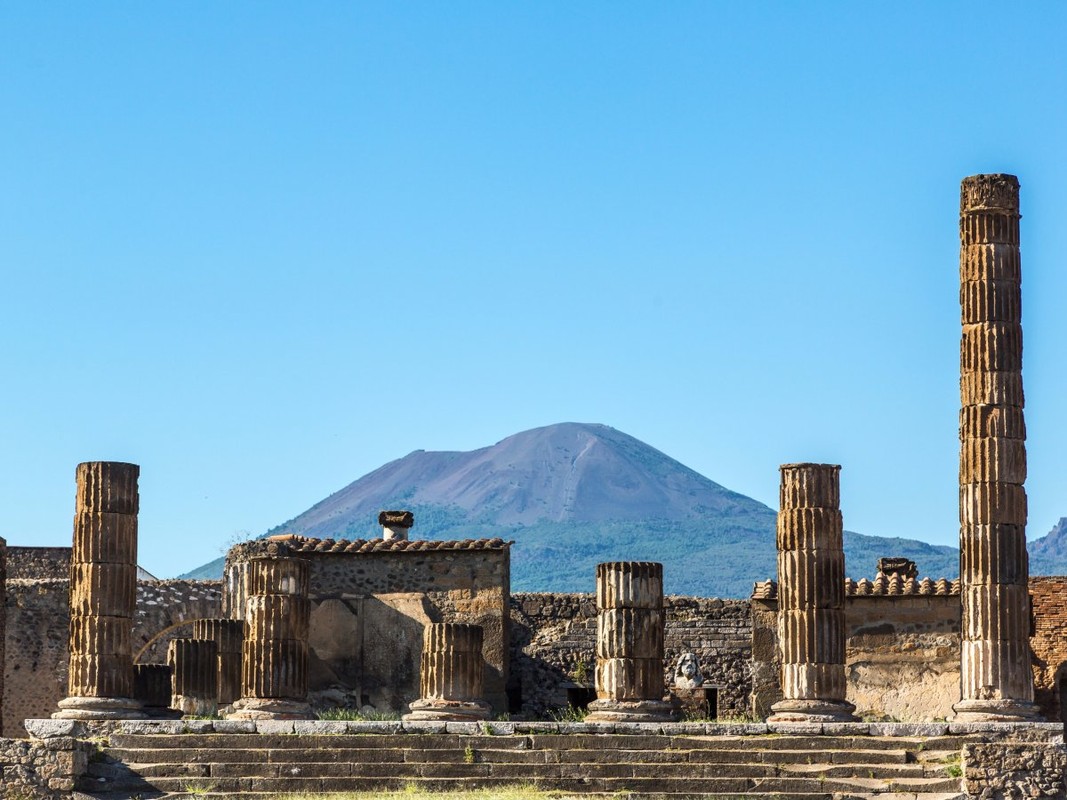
point(996, 679)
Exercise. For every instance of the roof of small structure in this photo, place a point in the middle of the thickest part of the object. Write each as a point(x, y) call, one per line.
point(882, 586)
point(303, 544)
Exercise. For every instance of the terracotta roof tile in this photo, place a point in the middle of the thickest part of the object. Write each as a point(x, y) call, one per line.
point(303, 544)
point(882, 586)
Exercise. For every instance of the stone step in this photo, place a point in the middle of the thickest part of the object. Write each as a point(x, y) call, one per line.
point(115, 771)
point(535, 741)
point(475, 779)
point(395, 755)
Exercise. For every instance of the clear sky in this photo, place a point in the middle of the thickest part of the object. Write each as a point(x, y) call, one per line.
point(261, 249)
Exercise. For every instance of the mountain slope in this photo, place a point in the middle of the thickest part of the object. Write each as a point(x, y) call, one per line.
point(572, 495)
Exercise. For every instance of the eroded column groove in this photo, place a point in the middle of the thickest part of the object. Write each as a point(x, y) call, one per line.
point(194, 676)
point(451, 674)
point(811, 596)
point(274, 653)
point(996, 682)
point(629, 644)
point(103, 594)
point(228, 635)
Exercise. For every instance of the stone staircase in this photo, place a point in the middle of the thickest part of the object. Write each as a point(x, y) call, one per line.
point(780, 766)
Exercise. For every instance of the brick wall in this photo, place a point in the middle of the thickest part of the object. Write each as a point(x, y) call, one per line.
point(1049, 642)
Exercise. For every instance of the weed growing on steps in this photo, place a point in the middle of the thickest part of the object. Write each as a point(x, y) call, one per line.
point(354, 715)
point(468, 755)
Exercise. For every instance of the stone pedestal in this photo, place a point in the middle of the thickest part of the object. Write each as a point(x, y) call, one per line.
point(103, 594)
point(811, 596)
point(451, 674)
point(194, 667)
point(229, 635)
point(996, 681)
point(274, 669)
point(629, 644)
point(152, 689)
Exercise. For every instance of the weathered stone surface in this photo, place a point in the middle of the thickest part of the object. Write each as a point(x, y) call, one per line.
point(228, 635)
point(451, 674)
point(51, 728)
point(629, 653)
point(811, 594)
point(194, 676)
point(996, 680)
point(274, 670)
point(998, 771)
point(107, 487)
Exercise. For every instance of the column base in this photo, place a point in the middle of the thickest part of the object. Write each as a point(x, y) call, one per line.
point(996, 711)
point(99, 708)
point(191, 706)
point(812, 711)
point(448, 710)
point(633, 711)
point(269, 708)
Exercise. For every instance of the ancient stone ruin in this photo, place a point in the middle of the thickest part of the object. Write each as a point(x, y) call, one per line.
point(629, 644)
point(803, 652)
point(996, 678)
point(103, 593)
point(811, 579)
point(451, 673)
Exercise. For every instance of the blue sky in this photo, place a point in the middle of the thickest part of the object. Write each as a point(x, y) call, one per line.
point(261, 249)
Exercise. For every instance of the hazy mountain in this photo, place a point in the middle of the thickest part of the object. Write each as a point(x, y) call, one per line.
point(1048, 555)
point(571, 495)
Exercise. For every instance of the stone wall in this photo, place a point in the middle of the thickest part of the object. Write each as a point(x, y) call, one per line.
point(38, 616)
point(1009, 770)
point(41, 563)
point(902, 655)
point(40, 768)
point(370, 601)
point(553, 641)
point(1048, 644)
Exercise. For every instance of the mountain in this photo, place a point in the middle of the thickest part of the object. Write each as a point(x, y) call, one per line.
point(1048, 555)
point(574, 494)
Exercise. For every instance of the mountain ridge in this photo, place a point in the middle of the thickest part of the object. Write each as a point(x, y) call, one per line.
point(573, 494)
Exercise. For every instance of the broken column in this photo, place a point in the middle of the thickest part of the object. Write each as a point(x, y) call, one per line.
point(451, 674)
point(103, 594)
point(228, 635)
point(194, 667)
point(396, 525)
point(996, 682)
point(629, 644)
point(152, 689)
point(811, 596)
point(274, 669)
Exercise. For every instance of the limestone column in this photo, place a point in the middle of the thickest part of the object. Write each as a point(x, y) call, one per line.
point(274, 670)
point(451, 674)
point(194, 665)
point(152, 688)
point(229, 635)
point(629, 644)
point(996, 682)
point(811, 596)
point(103, 594)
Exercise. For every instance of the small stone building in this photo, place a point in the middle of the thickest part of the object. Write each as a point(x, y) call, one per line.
point(371, 599)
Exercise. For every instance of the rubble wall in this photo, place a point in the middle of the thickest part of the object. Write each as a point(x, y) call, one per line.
point(41, 769)
point(553, 641)
point(36, 637)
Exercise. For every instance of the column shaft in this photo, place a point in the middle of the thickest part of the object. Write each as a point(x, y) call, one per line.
point(229, 635)
point(103, 593)
point(194, 676)
point(811, 595)
point(996, 682)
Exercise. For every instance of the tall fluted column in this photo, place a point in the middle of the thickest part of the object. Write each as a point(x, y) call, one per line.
point(996, 683)
point(629, 644)
point(103, 594)
point(811, 596)
point(229, 635)
point(274, 672)
point(451, 674)
point(194, 667)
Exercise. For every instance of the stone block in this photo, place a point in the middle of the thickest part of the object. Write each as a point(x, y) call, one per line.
point(320, 727)
point(908, 728)
point(51, 728)
point(383, 726)
point(423, 726)
point(153, 726)
point(796, 728)
point(234, 726)
point(275, 726)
